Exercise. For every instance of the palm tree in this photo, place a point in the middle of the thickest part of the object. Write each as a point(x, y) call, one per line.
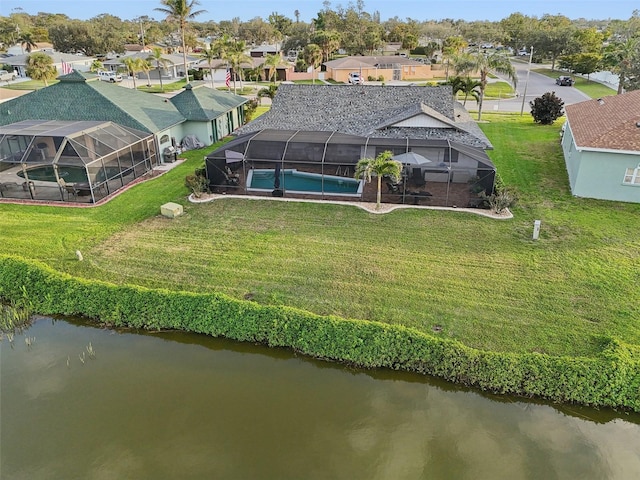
point(40, 67)
point(466, 85)
point(269, 92)
point(381, 166)
point(135, 65)
point(236, 57)
point(180, 12)
point(272, 62)
point(312, 54)
point(209, 54)
point(96, 66)
point(26, 42)
point(483, 63)
point(156, 56)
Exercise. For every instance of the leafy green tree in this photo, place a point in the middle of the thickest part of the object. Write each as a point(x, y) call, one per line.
point(40, 67)
point(515, 30)
point(328, 41)
point(257, 31)
point(623, 58)
point(280, 23)
point(135, 65)
point(237, 60)
point(553, 37)
point(312, 55)
point(181, 12)
point(381, 166)
point(160, 62)
point(547, 108)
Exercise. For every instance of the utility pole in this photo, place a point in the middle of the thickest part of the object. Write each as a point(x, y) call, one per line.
point(524, 96)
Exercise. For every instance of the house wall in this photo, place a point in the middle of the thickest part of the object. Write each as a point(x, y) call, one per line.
point(600, 175)
point(406, 73)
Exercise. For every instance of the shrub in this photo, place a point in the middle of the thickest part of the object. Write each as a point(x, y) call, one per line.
point(198, 184)
point(547, 108)
point(612, 379)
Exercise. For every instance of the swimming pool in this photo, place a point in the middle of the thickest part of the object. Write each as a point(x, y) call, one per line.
point(293, 181)
point(68, 173)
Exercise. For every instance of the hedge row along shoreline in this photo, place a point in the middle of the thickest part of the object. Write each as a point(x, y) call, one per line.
point(610, 380)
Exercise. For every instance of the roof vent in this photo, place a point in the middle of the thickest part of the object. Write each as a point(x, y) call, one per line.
point(601, 101)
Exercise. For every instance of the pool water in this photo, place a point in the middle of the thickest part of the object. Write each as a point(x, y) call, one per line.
point(291, 180)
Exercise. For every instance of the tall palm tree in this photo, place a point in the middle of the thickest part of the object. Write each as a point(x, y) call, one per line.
point(134, 65)
point(180, 12)
point(209, 54)
point(236, 58)
point(26, 42)
point(312, 54)
point(483, 63)
point(381, 166)
point(272, 62)
point(160, 61)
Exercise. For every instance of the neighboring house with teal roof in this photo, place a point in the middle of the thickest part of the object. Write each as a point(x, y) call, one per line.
point(601, 145)
point(79, 97)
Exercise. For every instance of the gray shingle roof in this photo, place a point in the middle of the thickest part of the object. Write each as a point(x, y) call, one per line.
point(369, 110)
point(196, 102)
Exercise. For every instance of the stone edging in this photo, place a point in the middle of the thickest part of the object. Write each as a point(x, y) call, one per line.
point(369, 207)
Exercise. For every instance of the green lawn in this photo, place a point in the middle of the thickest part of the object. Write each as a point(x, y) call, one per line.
point(478, 280)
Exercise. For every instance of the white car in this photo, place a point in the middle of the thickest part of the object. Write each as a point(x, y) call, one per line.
point(355, 78)
point(107, 76)
point(523, 53)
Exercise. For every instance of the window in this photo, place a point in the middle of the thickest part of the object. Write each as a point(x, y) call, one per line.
point(632, 176)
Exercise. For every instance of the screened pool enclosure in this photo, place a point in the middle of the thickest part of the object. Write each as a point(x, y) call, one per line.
point(321, 165)
point(81, 161)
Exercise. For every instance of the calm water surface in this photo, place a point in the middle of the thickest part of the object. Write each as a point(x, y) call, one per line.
point(183, 406)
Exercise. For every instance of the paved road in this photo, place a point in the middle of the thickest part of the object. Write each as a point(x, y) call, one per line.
point(535, 85)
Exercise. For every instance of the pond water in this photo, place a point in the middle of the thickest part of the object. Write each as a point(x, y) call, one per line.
point(176, 405)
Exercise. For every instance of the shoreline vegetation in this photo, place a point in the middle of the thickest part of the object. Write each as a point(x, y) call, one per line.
point(449, 294)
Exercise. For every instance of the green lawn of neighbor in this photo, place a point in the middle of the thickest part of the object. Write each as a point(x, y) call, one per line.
point(591, 88)
point(482, 281)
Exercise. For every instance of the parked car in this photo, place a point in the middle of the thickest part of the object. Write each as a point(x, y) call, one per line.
point(355, 78)
point(6, 76)
point(523, 53)
point(564, 81)
point(108, 76)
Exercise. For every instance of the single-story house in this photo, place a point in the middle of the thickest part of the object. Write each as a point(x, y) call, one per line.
point(199, 113)
point(172, 68)
point(387, 67)
point(320, 132)
point(80, 63)
point(601, 146)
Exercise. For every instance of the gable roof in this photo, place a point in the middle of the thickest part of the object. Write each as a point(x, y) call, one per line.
point(371, 110)
point(610, 123)
point(76, 98)
point(196, 102)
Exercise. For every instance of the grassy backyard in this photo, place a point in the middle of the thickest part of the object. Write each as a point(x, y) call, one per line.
point(453, 274)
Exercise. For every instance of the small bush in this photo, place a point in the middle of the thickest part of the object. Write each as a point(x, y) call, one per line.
point(198, 184)
point(547, 108)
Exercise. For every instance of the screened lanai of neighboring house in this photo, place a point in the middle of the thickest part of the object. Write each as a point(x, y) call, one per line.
point(317, 163)
point(81, 161)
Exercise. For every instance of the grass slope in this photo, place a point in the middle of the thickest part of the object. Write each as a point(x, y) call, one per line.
point(481, 281)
